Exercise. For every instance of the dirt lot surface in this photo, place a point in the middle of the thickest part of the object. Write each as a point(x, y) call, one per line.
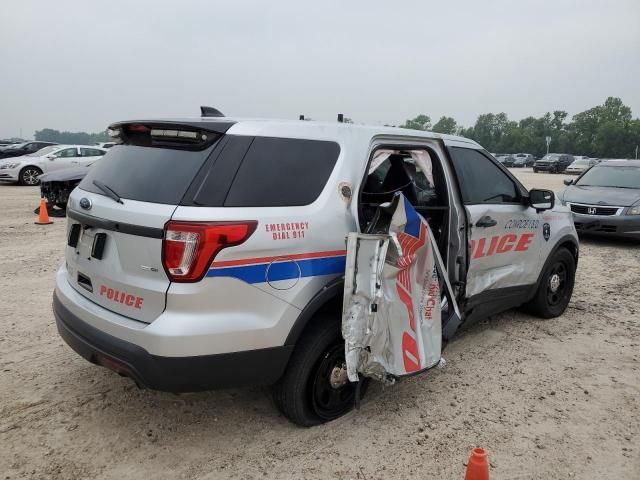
point(548, 399)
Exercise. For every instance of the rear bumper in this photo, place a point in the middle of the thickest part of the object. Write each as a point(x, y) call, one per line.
point(625, 226)
point(172, 374)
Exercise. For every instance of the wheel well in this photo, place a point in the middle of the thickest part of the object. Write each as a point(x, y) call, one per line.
point(30, 166)
point(572, 247)
point(327, 301)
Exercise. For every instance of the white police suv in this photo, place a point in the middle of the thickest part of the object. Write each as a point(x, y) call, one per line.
point(210, 252)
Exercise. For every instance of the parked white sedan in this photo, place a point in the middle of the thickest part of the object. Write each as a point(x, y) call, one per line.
point(580, 164)
point(25, 170)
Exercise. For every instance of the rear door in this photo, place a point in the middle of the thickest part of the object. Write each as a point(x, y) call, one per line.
point(89, 155)
point(114, 252)
point(505, 235)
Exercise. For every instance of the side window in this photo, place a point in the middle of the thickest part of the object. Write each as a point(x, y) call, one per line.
point(66, 153)
point(91, 152)
point(282, 172)
point(481, 181)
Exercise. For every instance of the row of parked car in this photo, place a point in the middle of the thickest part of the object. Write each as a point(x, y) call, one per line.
point(27, 163)
point(552, 162)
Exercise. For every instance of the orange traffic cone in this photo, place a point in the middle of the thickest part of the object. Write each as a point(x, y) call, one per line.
point(478, 466)
point(43, 214)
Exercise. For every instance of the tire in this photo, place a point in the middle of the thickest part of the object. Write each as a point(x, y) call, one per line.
point(556, 286)
point(29, 176)
point(535, 170)
point(304, 394)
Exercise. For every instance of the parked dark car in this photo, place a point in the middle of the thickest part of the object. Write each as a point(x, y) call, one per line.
point(605, 200)
point(523, 160)
point(506, 160)
point(553, 163)
point(56, 187)
point(20, 149)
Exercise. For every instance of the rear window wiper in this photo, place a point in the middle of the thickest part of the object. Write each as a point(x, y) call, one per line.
point(109, 192)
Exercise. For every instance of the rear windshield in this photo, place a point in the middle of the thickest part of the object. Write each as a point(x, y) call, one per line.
point(147, 174)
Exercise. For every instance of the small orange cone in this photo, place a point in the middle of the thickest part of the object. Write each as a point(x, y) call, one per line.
point(478, 465)
point(43, 215)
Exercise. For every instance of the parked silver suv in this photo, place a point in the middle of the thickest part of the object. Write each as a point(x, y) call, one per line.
point(210, 252)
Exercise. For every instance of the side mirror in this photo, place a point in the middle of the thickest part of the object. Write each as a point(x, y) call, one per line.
point(568, 181)
point(541, 199)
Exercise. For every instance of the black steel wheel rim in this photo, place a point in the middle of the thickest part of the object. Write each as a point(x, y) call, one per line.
point(557, 284)
point(328, 401)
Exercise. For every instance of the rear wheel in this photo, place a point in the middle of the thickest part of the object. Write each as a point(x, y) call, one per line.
point(29, 176)
point(315, 388)
point(556, 286)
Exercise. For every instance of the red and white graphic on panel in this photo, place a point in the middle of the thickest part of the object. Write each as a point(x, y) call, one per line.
point(409, 245)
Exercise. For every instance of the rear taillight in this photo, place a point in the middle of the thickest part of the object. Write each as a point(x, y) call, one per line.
point(189, 247)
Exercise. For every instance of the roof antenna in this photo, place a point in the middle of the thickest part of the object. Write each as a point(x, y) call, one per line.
point(301, 117)
point(341, 118)
point(210, 112)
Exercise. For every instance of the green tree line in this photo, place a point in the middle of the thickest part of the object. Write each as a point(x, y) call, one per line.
point(604, 131)
point(79, 138)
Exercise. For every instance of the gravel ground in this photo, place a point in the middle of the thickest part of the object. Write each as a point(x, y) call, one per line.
point(548, 399)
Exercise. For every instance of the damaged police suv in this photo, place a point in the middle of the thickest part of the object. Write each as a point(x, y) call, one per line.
point(210, 252)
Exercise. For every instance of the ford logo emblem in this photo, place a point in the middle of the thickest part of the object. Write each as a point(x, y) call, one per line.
point(85, 203)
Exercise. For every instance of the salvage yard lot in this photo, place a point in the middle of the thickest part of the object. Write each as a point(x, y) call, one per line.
point(551, 399)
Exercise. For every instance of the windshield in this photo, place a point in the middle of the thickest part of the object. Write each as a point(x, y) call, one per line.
point(551, 156)
point(43, 151)
point(17, 145)
point(580, 162)
point(620, 177)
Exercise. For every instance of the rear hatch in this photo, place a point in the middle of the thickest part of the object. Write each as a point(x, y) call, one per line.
point(118, 213)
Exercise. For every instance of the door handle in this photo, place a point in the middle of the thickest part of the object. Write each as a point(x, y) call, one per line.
point(486, 221)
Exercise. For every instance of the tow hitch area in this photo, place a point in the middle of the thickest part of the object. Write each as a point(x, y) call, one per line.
point(393, 308)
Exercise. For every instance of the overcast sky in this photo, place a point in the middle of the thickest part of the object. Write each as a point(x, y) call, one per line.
point(79, 65)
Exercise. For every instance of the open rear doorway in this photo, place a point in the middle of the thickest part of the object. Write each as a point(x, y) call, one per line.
point(418, 174)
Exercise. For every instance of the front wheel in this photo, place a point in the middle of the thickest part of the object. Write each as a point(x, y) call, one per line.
point(535, 170)
point(556, 286)
point(315, 388)
point(29, 176)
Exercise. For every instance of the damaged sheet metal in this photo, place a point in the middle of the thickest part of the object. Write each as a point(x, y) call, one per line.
point(392, 300)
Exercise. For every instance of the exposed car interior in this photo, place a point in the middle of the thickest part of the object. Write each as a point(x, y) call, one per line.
point(417, 176)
